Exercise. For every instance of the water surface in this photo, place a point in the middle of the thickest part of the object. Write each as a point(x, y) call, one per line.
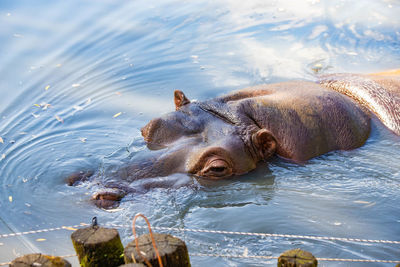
point(80, 78)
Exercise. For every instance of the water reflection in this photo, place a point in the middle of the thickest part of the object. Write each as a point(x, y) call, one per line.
point(69, 68)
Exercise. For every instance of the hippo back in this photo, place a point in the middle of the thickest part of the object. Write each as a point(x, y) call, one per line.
point(380, 93)
point(306, 119)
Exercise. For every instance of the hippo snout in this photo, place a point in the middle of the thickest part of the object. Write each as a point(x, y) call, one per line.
point(150, 129)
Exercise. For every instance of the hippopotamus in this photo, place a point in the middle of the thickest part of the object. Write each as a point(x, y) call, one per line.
point(295, 120)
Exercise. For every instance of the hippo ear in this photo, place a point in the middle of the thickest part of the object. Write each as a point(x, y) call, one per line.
point(265, 143)
point(180, 99)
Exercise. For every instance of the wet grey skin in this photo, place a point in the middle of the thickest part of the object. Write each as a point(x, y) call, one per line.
point(228, 135)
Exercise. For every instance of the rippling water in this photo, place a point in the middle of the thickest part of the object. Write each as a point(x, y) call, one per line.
point(80, 78)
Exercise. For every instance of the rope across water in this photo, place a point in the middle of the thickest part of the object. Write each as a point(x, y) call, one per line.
point(260, 257)
point(344, 239)
point(265, 234)
point(244, 256)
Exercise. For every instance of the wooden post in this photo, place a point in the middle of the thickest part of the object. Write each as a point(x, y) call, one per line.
point(133, 265)
point(98, 246)
point(39, 260)
point(297, 258)
point(172, 250)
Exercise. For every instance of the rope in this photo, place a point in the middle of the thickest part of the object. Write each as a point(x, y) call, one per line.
point(267, 234)
point(44, 230)
point(152, 241)
point(234, 256)
point(225, 232)
point(274, 257)
point(259, 257)
point(344, 239)
point(359, 260)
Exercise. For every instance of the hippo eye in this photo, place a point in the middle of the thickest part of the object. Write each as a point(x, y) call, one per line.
point(216, 168)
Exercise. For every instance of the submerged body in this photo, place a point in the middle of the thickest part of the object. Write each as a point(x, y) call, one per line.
point(296, 120)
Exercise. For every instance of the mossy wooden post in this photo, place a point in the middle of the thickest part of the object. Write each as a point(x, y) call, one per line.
point(172, 250)
point(39, 260)
point(98, 246)
point(297, 258)
point(133, 265)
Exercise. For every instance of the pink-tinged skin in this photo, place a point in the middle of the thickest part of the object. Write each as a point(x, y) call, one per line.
point(229, 135)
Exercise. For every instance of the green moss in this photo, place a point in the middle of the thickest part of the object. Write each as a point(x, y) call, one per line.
point(297, 258)
point(108, 254)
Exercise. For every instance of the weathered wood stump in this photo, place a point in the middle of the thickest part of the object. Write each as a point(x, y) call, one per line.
point(39, 260)
point(297, 258)
point(172, 250)
point(133, 265)
point(98, 246)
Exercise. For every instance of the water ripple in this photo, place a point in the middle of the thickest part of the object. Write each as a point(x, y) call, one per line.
point(69, 68)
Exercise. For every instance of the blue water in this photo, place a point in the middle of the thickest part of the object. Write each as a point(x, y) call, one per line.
point(78, 79)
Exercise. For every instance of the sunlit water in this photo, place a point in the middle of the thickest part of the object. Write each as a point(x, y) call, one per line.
point(78, 79)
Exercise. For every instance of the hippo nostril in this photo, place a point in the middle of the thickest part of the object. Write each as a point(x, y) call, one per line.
point(149, 129)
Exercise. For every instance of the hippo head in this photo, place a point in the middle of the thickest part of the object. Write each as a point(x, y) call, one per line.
point(211, 139)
